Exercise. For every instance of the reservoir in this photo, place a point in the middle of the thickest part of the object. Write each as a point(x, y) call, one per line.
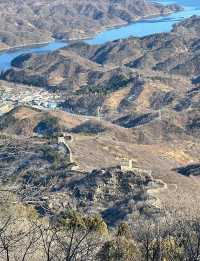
point(139, 29)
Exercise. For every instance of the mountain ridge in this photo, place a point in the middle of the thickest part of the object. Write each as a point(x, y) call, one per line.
point(28, 22)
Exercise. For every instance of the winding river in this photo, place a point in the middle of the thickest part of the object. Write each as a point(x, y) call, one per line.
point(139, 29)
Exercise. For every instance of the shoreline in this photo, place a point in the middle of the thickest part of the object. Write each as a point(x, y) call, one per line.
point(67, 41)
point(16, 47)
point(111, 27)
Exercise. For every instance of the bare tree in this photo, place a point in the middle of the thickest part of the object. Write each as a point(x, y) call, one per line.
point(18, 238)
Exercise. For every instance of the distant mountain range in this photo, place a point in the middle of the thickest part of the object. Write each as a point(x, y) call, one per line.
point(134, 79)
point(27, 22)
point(136, 99)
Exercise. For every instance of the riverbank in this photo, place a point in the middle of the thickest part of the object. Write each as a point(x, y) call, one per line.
point(118, 25)
point(87, 37)
point(24, 46)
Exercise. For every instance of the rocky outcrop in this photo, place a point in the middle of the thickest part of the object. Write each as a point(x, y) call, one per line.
point(115, 194)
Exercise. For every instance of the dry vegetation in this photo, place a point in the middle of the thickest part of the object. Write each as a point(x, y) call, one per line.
point(28, 22)
point(72, 200)
point(24, 235)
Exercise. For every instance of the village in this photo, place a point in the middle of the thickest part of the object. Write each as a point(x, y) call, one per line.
point(12, 95)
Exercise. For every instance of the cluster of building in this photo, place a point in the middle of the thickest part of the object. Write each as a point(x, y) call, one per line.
point(12, 95)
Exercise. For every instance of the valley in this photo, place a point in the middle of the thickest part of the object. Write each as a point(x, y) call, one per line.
point(122, 91)
point(100, 134)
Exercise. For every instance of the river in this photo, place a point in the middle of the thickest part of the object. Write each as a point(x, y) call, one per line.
point(140, 28)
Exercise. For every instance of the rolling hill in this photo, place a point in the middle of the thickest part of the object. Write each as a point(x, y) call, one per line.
point(29, 22)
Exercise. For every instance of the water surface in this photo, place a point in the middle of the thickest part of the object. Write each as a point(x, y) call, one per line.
point(140, 28)
point(151, 25)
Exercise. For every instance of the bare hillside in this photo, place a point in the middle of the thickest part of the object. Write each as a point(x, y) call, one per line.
point(27, 22)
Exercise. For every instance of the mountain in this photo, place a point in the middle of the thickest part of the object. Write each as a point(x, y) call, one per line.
point(99, 145)
point(94, 164)
point(133, 82)
point(28, 22)
point(128, 112)
point(137, 84)
point(30, 152)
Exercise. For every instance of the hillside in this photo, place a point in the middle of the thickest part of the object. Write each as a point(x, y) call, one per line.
point(133, 83)
point(33, 156)
point(28, 22)
point(121, 100)
point(96, 144)
point(99, 144)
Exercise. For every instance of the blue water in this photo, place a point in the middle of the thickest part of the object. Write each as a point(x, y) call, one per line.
point(139, 29)
point(7, 56)
point(150, 26)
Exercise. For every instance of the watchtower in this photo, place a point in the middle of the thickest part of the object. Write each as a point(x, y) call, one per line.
point(127, 165)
